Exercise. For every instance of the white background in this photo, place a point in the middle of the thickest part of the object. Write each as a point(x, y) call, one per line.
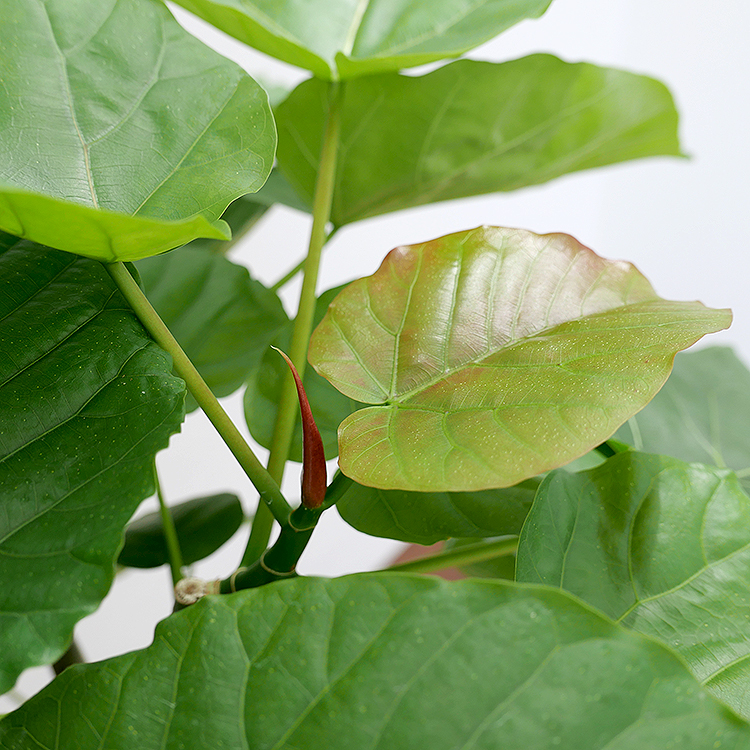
point(684, 223)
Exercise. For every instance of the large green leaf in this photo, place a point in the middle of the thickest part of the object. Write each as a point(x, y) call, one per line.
point(350, 38)
point(701, 414)
point(494, 355)
point(202, 524)
point(87, 400)
point(387, 662)
point(329, 407)
point(112, 106)
point(660, 545)
point(471, 128)
point(223, 319)
point(428, 517)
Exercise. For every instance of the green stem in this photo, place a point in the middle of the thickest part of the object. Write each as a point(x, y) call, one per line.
point(286, 278)
point(471, 553)
point(263, 481)
point(288, 404)
point(170, 533)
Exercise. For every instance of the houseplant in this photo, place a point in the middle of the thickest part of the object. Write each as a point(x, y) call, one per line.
point(377, 660)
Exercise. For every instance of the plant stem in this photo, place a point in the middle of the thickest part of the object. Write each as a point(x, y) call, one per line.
point(471, 553)
point(263, 481)
point(286, 278)
point(303, 323)
point(170, 533)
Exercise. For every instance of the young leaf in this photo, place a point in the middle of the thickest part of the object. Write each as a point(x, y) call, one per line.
point(428, 517)
point(702, 413)
point(160, 135)
point(264, 391)
point(493, 355)
point(202, 524)
point(223, 319)
point(87, 399)
point(660, 545)
point(471, 128)
point(344, 39)
point(313, 455)
point(382, 661)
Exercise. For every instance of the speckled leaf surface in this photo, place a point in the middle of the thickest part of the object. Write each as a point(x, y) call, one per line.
point(86, 400)
point(387, 662)
point(471, 128)
point(493, 355)
point(428, 517)
point(660, 545)
point(112, 106)
point(350, 38)
point(702, 414)
point(223, 319)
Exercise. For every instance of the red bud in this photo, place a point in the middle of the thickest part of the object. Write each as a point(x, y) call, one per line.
point(313, 455)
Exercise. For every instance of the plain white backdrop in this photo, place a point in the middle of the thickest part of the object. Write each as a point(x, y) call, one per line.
point(683, 222)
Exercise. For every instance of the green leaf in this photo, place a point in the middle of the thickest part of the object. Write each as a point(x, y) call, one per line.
point(345, 39)
point(660, 545)
point(471, 128)
point(87, 400)
point(203, 525)
point(113, 106)
point(278, 190)
point(494, 355)
point(241, 216)
point(382, 661)
point(702, 413)
point(329, 407)
point(223, 319)
point(428, 517)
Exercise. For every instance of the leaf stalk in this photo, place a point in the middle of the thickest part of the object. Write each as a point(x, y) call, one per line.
point(471, 553)
point(303, 323)
point(265, 484)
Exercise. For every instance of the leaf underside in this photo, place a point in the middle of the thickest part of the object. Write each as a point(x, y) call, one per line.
point(87, 399)
point(494, 355)
point(382, 662)
point(428, 517)
point(345, 39)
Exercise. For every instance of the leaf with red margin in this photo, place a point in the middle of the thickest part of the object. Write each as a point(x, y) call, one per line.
point(495, 354)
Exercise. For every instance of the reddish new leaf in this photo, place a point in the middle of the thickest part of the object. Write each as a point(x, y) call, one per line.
point(493, 355)
point(313, 454)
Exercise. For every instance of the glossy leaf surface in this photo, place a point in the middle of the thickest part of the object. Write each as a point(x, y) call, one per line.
point(160, 134)
point(702, 413)
point(350, 38)
point(471, 128)
point(329, 407)
point(202, 524)
point(660, 545)
point(494, 355)
point(222, 318)
point(428, 517)
point(87, 400)
point(382, 662)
